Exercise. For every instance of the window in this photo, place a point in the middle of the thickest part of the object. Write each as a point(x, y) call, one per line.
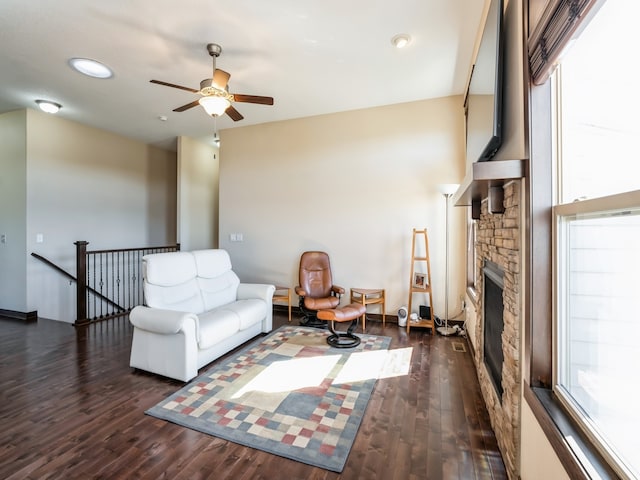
point(599, 106)
point(598, 260)
point(597, 233)
point(472, 257)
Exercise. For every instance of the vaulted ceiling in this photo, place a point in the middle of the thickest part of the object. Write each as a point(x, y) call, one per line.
point(312, 57)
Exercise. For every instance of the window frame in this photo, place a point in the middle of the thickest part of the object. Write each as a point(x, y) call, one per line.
point(601, 205)
point(577, 452)
point(472, 258)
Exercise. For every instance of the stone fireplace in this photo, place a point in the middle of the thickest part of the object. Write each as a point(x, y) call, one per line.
point(498, 243)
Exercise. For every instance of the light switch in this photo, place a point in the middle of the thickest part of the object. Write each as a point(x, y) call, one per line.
point(39, 238)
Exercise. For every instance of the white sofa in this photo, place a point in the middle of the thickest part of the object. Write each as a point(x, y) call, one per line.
point(196, 310)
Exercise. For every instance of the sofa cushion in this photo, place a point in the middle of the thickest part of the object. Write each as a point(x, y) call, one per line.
point(170, 282)
point(218, 291)
point(168, 269)
point(217, 282)
point(181, 298)
point(225, 321)
point(215, 326)
point(249, 312)
point(211, 263)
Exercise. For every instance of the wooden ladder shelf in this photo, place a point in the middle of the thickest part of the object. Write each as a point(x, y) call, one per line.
point(420, 279)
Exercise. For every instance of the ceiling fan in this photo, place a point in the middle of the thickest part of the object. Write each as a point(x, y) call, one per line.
point(215, 97)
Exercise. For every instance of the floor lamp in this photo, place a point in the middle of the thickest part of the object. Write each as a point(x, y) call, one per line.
point(447, 189)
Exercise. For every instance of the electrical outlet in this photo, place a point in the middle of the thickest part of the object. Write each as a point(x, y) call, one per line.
point(3, 238)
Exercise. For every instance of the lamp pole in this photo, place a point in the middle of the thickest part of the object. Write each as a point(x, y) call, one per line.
point(447, 190)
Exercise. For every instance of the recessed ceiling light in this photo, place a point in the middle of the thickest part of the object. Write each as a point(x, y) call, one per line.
point(49, 107)
point(401, 40)
point(90, 68)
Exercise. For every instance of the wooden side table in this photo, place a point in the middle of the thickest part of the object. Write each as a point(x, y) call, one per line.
point(369, 296)
point(283, 294)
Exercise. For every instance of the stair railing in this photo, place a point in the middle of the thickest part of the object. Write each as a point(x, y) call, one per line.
point(109, 282)
point(72, 278)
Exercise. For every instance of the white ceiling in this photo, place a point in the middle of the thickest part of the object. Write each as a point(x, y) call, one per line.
point(314, 57)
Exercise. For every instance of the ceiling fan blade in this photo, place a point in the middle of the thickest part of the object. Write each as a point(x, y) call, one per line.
point(238, 97)
point(186, 107)
point(234, 114)
point(159, 82)
point(221, 78)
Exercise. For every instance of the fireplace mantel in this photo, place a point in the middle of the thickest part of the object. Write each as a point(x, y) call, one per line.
point(485, 180)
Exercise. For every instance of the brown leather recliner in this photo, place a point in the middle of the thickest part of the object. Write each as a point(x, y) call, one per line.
point(316, 289)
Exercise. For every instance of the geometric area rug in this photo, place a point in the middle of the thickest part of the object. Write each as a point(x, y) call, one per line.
point(289, 394)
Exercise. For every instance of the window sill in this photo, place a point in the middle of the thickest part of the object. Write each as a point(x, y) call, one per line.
point(577, 454)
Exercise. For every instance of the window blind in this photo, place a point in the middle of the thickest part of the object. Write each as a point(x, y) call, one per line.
point(559, 23)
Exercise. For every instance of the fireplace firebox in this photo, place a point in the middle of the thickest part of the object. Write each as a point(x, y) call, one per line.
point(493, 322)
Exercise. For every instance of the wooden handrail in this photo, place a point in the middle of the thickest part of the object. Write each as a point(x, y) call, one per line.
point(54, 266)
point(139, 249)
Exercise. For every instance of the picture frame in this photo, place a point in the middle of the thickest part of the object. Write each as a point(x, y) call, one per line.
point(420, 280)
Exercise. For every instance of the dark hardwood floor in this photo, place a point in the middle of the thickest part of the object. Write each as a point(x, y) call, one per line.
point(72, 408)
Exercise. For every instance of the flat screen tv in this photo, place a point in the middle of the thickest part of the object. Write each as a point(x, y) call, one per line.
point(483, 103)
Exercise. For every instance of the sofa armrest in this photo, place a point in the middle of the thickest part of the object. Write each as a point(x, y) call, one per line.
point(160, 321)
point(256, 290)
point(263, 292)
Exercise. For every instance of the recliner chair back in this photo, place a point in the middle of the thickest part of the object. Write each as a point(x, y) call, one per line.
point(315, 274)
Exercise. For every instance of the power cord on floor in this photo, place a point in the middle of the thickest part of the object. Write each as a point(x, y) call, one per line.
point(462, 331)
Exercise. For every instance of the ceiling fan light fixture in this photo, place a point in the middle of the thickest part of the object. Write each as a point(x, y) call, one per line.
point(90, 68)
point(49, 107)
point(214, 105)
point(401, 40)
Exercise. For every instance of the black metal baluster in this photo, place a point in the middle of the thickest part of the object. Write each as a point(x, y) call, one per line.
point(101, 284)
point(110, 283)
point(129, 275)
point(93, 285)
point(119, 275)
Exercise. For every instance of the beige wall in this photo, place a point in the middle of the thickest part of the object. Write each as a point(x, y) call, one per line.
point(538, 460)
point(82, 183)
point(353, 184)
point(13, 208)
point(198, 172)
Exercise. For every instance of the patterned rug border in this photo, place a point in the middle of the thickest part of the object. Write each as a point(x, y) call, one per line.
point(311, 453)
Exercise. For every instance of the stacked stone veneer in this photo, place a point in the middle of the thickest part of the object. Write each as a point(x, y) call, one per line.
point(498, 240)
